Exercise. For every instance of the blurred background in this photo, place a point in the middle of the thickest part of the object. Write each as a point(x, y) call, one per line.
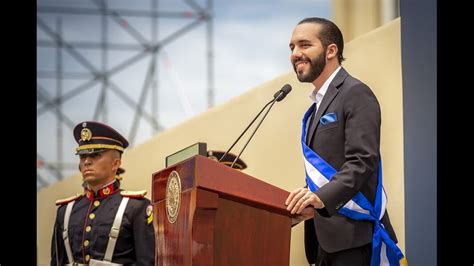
point(147, 65)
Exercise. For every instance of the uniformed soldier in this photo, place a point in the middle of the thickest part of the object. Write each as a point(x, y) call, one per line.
point(104, 225)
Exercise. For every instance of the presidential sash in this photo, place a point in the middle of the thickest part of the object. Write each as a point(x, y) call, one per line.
point(319, 172)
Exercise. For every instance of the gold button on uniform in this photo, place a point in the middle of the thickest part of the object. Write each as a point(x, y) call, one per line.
point(91, 216)
point(88, 257)
point(96, 203)
point(86, 243)
point(88, 228)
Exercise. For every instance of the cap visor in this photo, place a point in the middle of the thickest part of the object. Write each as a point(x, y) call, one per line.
point(89, 151)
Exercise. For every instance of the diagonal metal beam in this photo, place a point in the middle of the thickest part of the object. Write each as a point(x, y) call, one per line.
point(44, 97)
point(118, 91)
point(75, 54)
point(154, 48)
point(82, 60)
point(194, 5)
point(66, 96)
point(121, 22)
point(132, 104)
point(118, 67)
point(89, 84)
point(138, 107)
point(180, 32)
point(130, 29)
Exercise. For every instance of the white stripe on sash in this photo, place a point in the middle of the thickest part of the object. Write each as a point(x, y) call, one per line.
point(383, 255)
point(314, 174)
point(384, 204)
point(355, 207)
point(320, 181)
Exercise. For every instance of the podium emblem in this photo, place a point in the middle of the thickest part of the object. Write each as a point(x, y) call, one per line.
point(173, 196)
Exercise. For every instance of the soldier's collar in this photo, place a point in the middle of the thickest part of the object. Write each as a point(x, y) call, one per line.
point(105, 191)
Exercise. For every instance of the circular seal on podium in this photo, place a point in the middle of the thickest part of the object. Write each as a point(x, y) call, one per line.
point(173, 196)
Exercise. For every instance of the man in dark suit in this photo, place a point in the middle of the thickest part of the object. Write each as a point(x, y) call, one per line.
point(341, 132)
point(104, 225)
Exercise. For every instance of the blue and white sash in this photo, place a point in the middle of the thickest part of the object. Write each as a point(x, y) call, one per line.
point(319, 172)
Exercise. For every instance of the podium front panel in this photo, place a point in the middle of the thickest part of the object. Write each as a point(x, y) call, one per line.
point(225, 217)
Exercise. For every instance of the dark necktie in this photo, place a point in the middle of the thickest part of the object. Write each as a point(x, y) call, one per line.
point(312, 125)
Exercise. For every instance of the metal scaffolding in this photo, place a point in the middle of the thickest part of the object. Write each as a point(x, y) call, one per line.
point(53, 98)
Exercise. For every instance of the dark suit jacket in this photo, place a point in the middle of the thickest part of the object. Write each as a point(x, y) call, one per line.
point(351, 145)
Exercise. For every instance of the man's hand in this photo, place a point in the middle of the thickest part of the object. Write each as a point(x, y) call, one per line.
point(300, 198)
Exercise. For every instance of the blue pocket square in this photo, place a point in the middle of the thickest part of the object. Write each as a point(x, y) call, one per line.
point(328, 118)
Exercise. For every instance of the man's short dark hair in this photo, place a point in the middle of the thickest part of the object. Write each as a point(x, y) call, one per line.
point(329, 34)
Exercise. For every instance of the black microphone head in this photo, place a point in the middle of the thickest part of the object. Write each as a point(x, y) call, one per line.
point(286, 89)
point(281, 94)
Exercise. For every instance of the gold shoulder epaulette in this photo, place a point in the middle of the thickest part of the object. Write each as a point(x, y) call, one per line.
point(67, 200)
point(133, 194)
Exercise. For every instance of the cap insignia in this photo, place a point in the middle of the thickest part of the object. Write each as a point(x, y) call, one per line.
point(86, 134)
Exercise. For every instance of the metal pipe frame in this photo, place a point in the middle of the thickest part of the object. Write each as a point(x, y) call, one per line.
point(101, 75)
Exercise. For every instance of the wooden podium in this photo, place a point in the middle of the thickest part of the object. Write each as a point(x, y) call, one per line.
point(207, 213)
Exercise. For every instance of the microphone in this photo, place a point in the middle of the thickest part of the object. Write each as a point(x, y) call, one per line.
point(281, 94)
point(277, 97)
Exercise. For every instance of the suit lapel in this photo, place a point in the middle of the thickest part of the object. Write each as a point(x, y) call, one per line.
point(327, 99)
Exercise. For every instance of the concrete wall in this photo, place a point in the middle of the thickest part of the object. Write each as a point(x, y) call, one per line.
point(274, 155)
point(356, 18)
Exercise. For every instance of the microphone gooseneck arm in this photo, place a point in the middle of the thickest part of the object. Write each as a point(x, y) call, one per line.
point(251, 123)
point(265, 115)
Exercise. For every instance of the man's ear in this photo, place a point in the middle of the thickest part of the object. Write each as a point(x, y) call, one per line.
point(116, 164)
point(331, 51)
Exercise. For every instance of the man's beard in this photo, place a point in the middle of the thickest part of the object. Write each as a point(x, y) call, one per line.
point(316, 67)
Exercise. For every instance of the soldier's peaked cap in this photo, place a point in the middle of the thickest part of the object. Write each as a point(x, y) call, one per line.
point(93, 137)
point(228, 159)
